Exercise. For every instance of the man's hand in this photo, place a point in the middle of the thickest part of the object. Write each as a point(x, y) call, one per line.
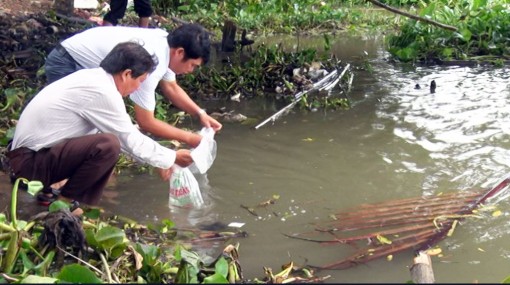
point(183, 157)
point(210, 122)
point(165, 173)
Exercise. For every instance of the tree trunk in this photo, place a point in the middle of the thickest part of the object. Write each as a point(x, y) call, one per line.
point(228, 37)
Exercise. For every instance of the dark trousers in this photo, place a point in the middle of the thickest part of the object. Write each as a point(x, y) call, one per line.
point(87, 162)
point(59, 64)
point(118, 9)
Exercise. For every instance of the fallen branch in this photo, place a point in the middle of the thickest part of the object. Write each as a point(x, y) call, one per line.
point(250, 210)
point(417, 18)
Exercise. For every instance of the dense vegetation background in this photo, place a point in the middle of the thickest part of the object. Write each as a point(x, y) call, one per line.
point(481, 31)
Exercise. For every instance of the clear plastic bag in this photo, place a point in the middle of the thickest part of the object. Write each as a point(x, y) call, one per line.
point(184, 190)
point(205, 153)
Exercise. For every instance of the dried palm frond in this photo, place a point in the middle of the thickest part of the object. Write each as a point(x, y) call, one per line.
point(394, 226)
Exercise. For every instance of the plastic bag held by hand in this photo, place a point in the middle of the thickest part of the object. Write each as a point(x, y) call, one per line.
point(184, 189)
point(205, 153)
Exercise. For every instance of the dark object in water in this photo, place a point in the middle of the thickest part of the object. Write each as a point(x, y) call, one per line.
point(417, 86)
point(433, 86)
point(215, 226)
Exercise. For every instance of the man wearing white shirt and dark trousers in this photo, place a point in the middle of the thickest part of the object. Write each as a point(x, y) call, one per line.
point(76, 127)
point(178, 52)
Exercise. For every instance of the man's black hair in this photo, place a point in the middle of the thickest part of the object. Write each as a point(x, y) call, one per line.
point(129, 55)
point(194, 39)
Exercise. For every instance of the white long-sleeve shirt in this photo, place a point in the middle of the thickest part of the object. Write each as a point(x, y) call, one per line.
point(91, 46)
point(82, 103)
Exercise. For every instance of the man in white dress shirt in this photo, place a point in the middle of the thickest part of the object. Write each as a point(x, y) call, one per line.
point(178, 52)
point(76, 127)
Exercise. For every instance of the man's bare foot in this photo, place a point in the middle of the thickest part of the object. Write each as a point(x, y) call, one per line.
point(58, 185)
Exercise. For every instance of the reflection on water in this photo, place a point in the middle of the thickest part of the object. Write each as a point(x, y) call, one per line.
point(396, 142)
point(463, 126)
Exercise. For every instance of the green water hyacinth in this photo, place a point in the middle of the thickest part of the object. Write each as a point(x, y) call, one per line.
point(33, 188)
point(482, 33)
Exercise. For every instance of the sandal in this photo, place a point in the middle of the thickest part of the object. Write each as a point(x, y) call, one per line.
point(47, 196)
point(75, 208)
point(74, 205)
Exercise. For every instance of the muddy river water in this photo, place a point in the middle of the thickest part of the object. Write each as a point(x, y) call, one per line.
point(395, 142)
